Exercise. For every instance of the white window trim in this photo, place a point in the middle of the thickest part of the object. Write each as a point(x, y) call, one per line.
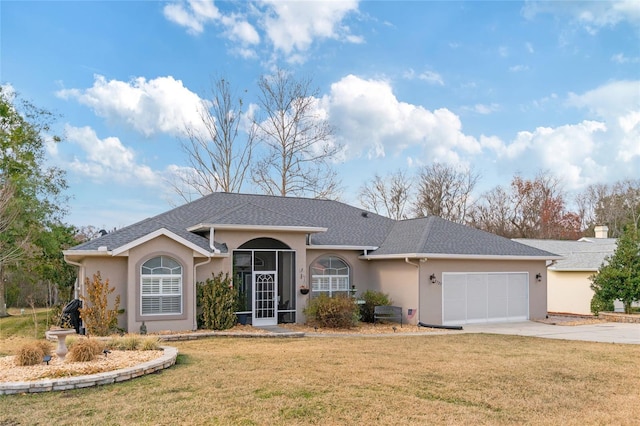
point(334, 280)
point(160, 294)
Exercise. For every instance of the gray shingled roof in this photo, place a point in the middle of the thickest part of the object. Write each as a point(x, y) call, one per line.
point(346, 226)
point(434, 235)
point(583, 255)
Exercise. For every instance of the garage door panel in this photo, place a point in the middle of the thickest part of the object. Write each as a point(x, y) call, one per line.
point(485, 297)
point(476, 297)
point(455, 297)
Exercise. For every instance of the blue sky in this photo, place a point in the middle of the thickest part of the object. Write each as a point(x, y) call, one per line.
point(503, 87)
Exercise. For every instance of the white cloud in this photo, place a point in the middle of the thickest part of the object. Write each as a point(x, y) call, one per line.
point(106, 160)
point(372, 121)
point(529, 47)
point(591, 15)
point(518, 68)
point(621, 58)
point(503, 51)
point(292, 27)
point(604, 148)
point(611, 100)
point(192, 14)
point(431, 77)
point(195, 14)
point(483, 109)
point(162, 105)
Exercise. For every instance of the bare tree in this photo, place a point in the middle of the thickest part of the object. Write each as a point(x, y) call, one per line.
point(218, 160)
point(615, 205)
point(528, 209)
point(445, 191)
point(494, 212)
point(297, 139)
point(387, 196)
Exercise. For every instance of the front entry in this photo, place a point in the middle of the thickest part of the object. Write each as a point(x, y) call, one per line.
point(264, 272)
point(265, 298)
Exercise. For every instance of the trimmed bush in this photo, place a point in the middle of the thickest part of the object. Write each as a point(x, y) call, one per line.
point(29, 354)
point(85, 350)
point(332, 312)
point(371, 300)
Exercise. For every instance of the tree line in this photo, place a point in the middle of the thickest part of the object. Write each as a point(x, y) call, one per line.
point(526, 208)
point(32, 206)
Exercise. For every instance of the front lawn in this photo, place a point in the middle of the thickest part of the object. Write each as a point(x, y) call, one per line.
point(437, 379)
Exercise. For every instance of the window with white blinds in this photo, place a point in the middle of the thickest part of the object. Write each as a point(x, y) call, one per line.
point(161, 287)
point(330, 275)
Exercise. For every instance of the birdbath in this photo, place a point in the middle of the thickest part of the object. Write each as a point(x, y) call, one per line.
point(61, 335)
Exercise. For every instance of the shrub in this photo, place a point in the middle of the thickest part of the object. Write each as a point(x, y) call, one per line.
point(84, 350)
point(128, 342)
point(44, 346)
point(217, 301)
point(371, 300)
point(332, 312)
point(98, 319)
point(29, 354)
point(599, 304)
point(150, 344)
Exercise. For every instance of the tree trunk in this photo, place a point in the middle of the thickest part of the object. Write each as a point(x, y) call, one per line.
point(3, 302)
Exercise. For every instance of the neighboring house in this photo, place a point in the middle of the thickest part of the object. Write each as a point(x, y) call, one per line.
point(568, 283)
point(439, 272)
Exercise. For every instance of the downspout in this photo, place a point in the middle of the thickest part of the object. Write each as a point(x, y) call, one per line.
point(195, 302)
point(406, 259)
point(80, 278)
point(211, 244)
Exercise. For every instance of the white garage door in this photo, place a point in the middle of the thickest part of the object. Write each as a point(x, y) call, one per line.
point(484, 297)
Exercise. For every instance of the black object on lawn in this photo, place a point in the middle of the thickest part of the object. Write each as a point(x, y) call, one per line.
point(71, 314)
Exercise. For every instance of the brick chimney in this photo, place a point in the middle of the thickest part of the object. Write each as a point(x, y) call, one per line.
point(602, 231)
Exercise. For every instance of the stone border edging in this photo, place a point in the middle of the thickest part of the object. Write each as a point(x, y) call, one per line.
point(619, 317)
point(167, 359)
point(196, 336)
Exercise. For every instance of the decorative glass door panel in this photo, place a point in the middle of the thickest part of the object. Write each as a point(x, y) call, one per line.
point(265, 298)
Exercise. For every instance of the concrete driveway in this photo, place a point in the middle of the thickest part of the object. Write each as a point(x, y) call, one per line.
point(610, 332)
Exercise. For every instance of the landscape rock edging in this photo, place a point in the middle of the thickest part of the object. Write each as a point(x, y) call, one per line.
point(166, 360)
point(618, 317)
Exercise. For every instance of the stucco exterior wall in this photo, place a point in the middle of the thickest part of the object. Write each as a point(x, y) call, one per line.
point(115, 270)
point(399, 280)
point(137, 256)
point(569, 292)
point(430, 309)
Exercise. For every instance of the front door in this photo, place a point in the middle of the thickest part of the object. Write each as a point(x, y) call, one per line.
point(265, 298)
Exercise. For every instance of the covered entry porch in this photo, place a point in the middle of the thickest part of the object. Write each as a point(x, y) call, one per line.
point(264, 273)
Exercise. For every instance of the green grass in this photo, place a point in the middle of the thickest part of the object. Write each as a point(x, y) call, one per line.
point(23, 325)
point(413, 380)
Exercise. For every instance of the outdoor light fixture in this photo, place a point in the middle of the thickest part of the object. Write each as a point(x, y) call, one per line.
point(538, 277)
point(433, 278)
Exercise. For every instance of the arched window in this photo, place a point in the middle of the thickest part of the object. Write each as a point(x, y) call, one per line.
point(161, 287)
point(330, 274)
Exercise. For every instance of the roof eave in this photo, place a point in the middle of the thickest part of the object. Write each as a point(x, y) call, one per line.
point(340, 247)
point(456, 256)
